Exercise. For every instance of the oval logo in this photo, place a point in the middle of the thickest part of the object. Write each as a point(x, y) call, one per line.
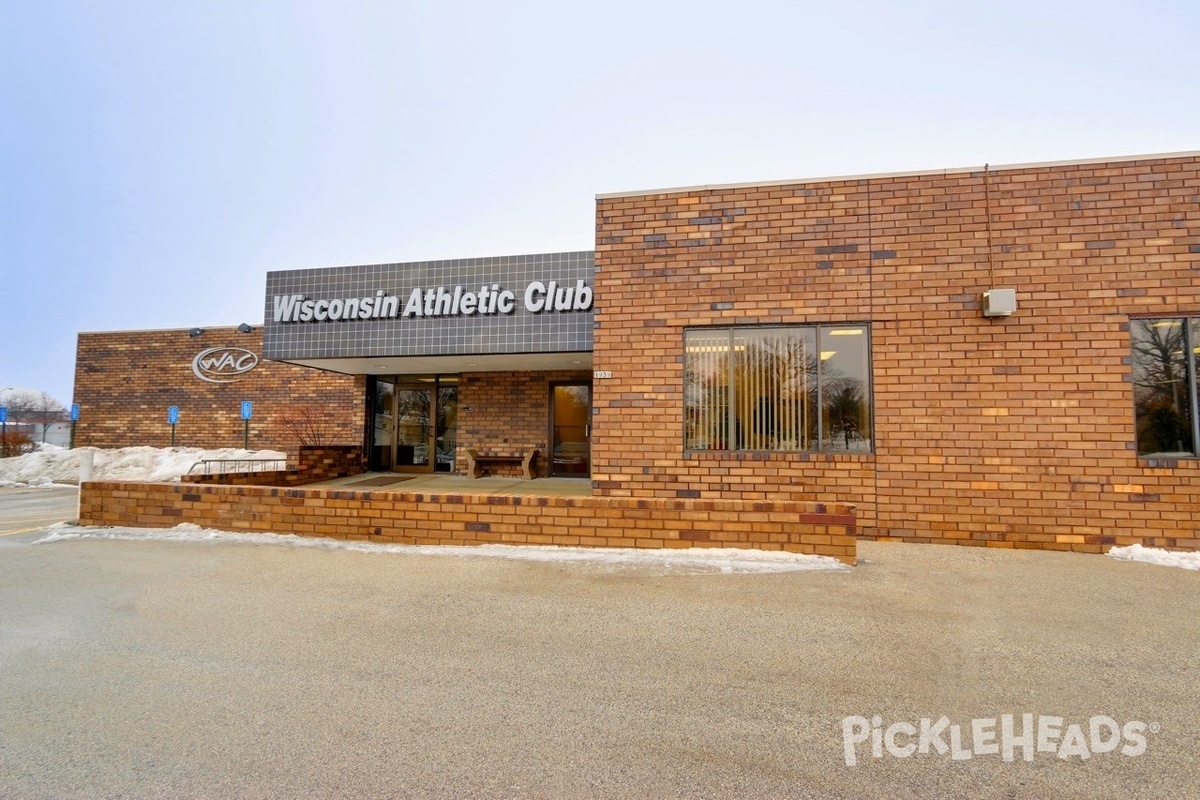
point(223, 364)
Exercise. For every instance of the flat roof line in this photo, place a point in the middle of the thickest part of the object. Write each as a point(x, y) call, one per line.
point(910, 174)
point(439, 261)
point(205, 328)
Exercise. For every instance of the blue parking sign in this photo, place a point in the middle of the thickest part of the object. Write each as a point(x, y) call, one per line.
point(74, 412)
point(247, 409)
point(172, 414)
point(3, 414)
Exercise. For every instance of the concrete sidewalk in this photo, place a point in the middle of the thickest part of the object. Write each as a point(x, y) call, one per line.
point(150, 669)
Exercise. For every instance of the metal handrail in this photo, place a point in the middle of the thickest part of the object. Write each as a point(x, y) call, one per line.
point(208, 464)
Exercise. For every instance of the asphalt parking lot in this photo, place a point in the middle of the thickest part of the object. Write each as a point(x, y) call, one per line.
point(164, 669)
point(24, 510)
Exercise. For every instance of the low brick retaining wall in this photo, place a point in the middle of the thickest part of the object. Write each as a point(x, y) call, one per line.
point(313, 465)
point(462, 519)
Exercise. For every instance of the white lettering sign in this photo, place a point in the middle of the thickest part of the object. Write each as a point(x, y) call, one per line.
point(443, 301)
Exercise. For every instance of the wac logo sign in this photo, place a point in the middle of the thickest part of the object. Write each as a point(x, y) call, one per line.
point(223, 364)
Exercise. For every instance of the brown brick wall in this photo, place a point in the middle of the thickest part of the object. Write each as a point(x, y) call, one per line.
point(413, 518)
point(125, 380)
point(506, 413)
point(1010, 432)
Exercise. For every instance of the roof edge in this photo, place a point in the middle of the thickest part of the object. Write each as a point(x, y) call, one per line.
point(903, 174)
point(204, 328)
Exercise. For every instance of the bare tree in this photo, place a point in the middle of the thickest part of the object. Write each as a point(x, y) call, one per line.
point(1160, 380)
point(33, 408)
point(306, 424)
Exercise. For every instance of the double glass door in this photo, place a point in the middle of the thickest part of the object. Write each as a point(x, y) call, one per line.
point(415, 424)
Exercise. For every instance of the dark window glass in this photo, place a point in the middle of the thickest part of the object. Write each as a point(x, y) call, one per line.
point(1164, 385)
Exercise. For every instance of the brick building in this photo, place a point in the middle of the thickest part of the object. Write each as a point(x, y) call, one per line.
point(125, 381)
point(1003, 356)
point(1061, 424)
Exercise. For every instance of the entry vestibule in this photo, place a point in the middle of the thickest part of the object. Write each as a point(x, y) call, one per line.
point(414, 423)
point(422, 424)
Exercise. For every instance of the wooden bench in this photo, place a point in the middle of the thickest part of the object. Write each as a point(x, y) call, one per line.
point(476, 462)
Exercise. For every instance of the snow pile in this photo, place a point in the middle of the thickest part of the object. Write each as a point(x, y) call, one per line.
point(36, 483)
point(689, 561)
point(52, 464)
point(1155, 555)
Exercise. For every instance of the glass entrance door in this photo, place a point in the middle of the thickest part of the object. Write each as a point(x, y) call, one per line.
point(446, 443)
point(384, 427)
point(414, 429)
point(571, 430)
point(415, 423)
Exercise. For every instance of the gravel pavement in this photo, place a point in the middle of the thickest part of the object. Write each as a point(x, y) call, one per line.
point(163, 669)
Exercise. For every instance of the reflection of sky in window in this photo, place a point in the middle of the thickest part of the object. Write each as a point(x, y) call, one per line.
point(844, 351)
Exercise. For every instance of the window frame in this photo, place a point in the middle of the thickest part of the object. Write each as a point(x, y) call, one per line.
point(1191, 343)
point(818, 446)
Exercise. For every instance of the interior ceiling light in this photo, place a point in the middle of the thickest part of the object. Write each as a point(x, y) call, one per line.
point(828, 354)
point(846, 332)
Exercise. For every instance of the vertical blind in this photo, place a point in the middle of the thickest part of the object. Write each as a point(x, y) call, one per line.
point(758, 389)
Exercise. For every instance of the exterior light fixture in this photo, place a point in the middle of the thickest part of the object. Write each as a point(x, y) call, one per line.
point(194, 332)
point(244, 328)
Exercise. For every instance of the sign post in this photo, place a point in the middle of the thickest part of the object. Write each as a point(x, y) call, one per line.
point(74, 419)
point(4, 431)
point(172, 419)
point(247, 413)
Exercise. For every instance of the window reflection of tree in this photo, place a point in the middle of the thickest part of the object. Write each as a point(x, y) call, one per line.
point(1161, 391)
point(770, 376)
point(773, 373)
point(383, 413)
point(447, 424)
point(844, 411)
point(412, 410)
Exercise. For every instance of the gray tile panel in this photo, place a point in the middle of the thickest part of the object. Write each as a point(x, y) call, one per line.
point(519, 332)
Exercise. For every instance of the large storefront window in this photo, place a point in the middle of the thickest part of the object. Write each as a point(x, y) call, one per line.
point(1166, 356)
point(785, 388)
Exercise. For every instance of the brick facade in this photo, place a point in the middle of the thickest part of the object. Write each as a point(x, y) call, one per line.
point(415, 518)
point(125, 380)
point(506, 413)
point(1013, 431)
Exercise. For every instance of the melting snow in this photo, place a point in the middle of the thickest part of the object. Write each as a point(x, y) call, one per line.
point(1155, 555)
point(689, 561)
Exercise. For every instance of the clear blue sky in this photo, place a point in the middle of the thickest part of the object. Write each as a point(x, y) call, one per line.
point(157, 159)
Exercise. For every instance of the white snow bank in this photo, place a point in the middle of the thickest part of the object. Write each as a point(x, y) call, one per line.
point(50, 463)
point(690, 561)
point(1155, 555)
point(36, 483)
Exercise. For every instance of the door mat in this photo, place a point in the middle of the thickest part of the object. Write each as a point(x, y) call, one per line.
point(381, 480)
